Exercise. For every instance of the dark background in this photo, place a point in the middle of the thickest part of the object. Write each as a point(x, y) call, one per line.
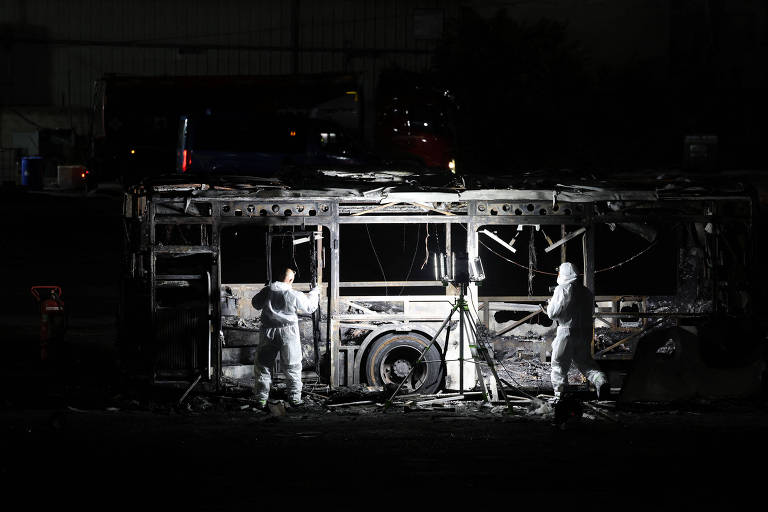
point(579, 84)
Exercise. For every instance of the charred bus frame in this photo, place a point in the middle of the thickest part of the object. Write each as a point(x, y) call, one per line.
point(187, 338)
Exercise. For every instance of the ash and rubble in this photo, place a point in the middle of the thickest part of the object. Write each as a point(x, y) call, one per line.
point(356, 335)
point(236, 322)
point(383, 307)
point(606, 337)
point(526, 382)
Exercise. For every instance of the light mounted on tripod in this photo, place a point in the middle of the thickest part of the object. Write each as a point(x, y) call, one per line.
point(459, 270)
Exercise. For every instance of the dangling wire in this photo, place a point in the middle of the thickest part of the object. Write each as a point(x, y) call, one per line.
point(415, 251)
point(507, 259)
point(426, 249)
point(531, 260)
point(619, 264)
point(650, 246)
point(293, 253)
point(377, 259)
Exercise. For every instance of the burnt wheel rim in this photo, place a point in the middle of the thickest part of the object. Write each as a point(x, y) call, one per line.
point(398, 363)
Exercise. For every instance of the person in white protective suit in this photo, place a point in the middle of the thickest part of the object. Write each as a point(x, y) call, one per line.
point(572, 305)
point(280, 305)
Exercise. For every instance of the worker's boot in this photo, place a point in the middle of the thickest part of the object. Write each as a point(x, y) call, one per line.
point(566, 408)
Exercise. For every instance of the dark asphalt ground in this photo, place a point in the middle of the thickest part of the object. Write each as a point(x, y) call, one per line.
point(236, 461)
point(61, 447)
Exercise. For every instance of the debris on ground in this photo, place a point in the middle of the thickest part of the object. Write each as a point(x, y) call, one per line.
point(198, 403)
point(357, 393)
point(276, 409)
point(523, 379)
point(346, 404)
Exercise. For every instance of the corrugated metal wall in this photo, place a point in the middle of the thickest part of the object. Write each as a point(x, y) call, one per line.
point(84, 39)
point(75, 42)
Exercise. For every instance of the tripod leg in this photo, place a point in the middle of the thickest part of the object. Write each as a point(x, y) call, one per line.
point(486, 392)
point(478, 349)
point(421, 356)
point(461, 344)
point(484, 351)
point(443, 362)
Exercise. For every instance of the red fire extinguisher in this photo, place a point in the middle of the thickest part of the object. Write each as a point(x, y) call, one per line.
point(53, 322)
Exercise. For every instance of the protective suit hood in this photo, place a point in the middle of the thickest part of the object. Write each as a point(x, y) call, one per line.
point(567, 274)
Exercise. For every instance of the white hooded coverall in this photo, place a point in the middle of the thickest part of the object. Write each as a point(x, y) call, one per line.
point(572, 305)
point(280, 335)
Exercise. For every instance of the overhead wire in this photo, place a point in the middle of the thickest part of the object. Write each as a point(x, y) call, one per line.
point(646, 249)
point(629, 259)
point(514, 262)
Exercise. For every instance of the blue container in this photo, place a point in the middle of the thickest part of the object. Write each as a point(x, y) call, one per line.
point(32, 171)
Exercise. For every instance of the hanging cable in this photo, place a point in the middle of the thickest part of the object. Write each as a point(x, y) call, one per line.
point(629, 259)
point(293, 253)
point(651, 245)
point(516, 263)
point(377, 259)
point(507, 259)
point(532, 263)
point(415, 251)
point(426, 249)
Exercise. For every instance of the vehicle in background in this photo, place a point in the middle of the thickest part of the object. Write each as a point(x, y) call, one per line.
point(136, 118)
point(258, 144)
point(415, 121)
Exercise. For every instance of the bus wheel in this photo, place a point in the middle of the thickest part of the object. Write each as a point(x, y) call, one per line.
point(392, 356)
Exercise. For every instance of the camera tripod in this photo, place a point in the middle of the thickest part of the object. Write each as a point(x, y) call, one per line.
point(462, 307)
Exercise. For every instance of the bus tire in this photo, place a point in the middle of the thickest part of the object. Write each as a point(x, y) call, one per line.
point(392, 356)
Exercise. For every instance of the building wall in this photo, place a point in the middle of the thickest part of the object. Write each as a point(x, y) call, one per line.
point(55, 50)
point(70, 44)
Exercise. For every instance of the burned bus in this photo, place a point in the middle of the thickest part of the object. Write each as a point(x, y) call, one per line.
point(669, 264)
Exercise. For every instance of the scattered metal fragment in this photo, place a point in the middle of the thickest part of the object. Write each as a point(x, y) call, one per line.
point(364, 402)
point(321, 397)
point(601, 412)
point(190, 388)
point(435, 401)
